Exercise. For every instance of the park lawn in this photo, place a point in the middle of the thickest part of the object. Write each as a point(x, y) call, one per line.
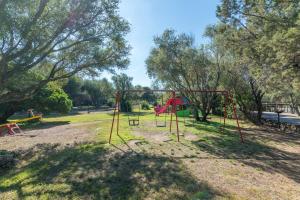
point(93, 171)
point(96, 170)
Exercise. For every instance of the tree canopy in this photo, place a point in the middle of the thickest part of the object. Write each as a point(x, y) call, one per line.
point(176, 62)
point(50, 98)
point(47, 40)
point(122, 82)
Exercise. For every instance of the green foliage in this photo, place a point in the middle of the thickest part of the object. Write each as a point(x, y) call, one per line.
point(147, 95)
point(145, 105)
point(93, 90)
point(122, 82)
point(179, 65)
point(45, 41)
point(73, 89)
point(51, 98)
point(259, 41)
point(126, 106)
point(89, 92)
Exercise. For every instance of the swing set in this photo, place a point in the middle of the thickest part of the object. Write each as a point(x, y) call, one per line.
point(170, 107)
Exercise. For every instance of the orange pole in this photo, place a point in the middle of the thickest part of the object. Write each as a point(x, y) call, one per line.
point(225, 107)
point(118, 119)
point(237, 120)
point(174, 110)
point(113, 121)
point(171, 121)
point(176, 124)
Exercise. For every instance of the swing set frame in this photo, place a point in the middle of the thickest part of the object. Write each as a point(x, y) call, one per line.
point(227, 96)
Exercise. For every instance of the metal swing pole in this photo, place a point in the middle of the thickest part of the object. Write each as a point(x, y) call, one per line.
point(225, 107)
point(236, 117)
point(113, 121)
point(177, 124)
point(171, 120)
point(118, 119)
point(174, 110)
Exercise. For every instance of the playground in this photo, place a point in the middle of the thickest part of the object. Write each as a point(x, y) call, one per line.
point(69, 157)
point(149, 100)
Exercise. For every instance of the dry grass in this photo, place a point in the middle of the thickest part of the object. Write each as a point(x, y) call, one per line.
point(71, 160)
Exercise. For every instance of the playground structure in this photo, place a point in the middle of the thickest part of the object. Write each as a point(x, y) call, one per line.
point(173, 102)
point(13, 124)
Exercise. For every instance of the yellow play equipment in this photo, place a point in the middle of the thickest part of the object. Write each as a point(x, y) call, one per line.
point(13, 124)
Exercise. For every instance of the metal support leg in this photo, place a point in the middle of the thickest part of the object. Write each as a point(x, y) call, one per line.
point(237, 119)
point(177, 125)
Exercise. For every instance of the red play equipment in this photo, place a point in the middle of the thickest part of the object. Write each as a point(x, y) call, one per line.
point(174, 102)
point(171, 102)
point(10, 127)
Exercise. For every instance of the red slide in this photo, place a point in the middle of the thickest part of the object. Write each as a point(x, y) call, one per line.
point(172, 101)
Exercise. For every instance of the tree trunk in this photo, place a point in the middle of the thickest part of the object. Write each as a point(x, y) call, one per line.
point(204, 117)
point(257, 95)
point(295, 107)
point(259, 109)
point(297, 110)
point(196, 114)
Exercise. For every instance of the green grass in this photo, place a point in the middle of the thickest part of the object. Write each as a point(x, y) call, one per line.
point(201, 129)
point(86, 171)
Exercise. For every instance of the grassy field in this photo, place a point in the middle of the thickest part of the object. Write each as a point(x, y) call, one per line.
point(146, 162)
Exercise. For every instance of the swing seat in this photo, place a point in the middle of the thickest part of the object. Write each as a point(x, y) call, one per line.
point(134, 122)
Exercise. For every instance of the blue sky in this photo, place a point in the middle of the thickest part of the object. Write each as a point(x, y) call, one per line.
point(149, 18)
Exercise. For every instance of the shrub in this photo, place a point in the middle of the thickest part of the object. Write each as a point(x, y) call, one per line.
point(126, 106)
point(145, 105)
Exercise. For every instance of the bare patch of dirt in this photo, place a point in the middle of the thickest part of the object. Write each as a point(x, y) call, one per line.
point(62, 134)
point(267, 167)
point(190, 137)
point(156, 137)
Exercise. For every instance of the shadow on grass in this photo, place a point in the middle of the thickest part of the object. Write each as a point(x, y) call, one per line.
point(90, 171)
point(275, 134)
point(43, 124)
point(211, 127)
point(253, 153)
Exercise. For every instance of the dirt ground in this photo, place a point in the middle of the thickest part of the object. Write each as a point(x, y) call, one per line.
point(272, 173)
point(63, 134)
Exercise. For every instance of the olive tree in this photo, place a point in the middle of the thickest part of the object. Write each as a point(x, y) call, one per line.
point(47, 40)
point(176, 62)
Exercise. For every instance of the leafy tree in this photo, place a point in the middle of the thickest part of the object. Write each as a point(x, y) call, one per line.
point(285, 89)
point(107, 89)
point(89, 92)
point(261, 37)
point(273, 26)
point(93, 89)
point(148, 95)
point(73, 89)
point(51, 98)
point(177, 63)
point(122, 82)
point(241, 75)
point(48, 40)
